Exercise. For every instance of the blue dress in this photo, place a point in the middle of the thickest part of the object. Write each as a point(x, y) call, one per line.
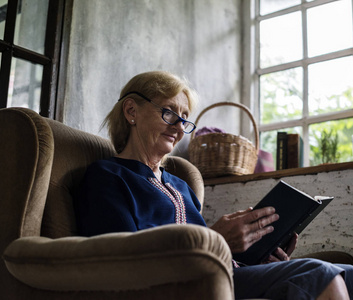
point(119, 195)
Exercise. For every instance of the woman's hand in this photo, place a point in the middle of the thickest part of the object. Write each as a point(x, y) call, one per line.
point(244, 228)
point(283, 254)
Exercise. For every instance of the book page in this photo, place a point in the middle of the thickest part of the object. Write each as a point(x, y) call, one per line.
point(322, 198)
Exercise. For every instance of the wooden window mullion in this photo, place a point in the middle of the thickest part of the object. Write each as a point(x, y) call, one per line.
point(6, 55)
point(52, 51)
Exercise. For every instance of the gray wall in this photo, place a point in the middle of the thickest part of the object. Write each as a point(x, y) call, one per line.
point(113, 40)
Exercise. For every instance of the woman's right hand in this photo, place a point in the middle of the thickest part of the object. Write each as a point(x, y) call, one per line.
point(244, 228)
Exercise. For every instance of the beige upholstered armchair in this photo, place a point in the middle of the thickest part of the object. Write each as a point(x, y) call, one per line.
point(41, 164)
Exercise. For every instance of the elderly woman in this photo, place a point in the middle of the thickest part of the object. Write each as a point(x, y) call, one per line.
point(131, 192)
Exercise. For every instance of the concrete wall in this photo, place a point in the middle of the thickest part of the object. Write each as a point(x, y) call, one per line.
point(113, 40)
point(331, 230)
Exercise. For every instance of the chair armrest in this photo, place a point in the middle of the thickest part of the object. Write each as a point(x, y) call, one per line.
point(120, 261)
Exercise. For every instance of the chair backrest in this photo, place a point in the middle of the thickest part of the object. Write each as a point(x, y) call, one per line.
point(74, 150)
point(26, 155)
point(43, 162)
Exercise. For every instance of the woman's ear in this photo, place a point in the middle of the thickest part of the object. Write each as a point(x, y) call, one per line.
point(129, 108)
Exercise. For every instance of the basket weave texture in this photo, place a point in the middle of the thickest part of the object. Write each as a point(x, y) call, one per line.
point(220, 154)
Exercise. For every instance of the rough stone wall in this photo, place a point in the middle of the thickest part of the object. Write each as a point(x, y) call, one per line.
point(331, 230)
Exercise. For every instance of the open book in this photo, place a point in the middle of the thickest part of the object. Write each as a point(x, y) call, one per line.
point(295, 209)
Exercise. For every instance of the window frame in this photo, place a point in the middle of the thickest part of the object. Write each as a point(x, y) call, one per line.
point(252, 70)
point(50, 60)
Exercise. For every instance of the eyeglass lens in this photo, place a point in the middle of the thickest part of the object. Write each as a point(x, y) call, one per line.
point(172, 118)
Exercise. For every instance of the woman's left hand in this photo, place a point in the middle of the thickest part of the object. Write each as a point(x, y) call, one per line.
point(283, 254)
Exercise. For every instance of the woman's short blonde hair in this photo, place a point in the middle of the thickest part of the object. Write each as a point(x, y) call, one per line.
point(156, 84)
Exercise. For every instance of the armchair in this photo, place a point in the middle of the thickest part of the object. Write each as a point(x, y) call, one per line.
point(41, 164)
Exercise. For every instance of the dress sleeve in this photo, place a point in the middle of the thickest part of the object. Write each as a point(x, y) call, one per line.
point(104, 203)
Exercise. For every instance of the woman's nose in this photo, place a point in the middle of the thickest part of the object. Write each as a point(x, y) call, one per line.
point(179, 126)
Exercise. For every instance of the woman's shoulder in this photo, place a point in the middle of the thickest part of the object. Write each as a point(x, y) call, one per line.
point(119, 166)
point(106, 165)
point(103, 163)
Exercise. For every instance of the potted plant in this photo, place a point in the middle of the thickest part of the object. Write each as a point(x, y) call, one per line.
point(328, 146)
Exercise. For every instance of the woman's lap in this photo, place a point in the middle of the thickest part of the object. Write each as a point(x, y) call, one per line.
point(294, 279)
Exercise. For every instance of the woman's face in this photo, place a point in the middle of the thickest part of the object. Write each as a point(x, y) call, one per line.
point(155, 135)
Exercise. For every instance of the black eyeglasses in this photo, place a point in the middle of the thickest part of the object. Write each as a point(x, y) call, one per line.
point(168, 116)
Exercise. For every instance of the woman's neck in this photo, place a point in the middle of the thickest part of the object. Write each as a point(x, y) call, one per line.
point(153, 162)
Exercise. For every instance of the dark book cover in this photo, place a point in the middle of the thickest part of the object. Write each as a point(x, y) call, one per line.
point(296, 210)
point(281, 157)
point(293, 150)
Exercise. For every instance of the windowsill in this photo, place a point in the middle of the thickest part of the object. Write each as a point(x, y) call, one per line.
point(279, 174)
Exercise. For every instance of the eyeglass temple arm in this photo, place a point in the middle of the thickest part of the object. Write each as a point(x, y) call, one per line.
point(137, 93)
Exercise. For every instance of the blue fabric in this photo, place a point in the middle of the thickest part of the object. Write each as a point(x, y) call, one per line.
point(295, 279)
point(117, 196)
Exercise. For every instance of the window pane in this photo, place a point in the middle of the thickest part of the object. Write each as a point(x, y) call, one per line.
point(330, 27)
point(280, 40)
point(3, 10)
point(281, 96)
point(25, 84)
point(31, 24)
point(331, 86)
point(268, 140)
point(344, 131)
point(269, 6)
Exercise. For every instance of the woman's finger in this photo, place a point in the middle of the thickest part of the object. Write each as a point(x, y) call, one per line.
point(257, 235)
point(292, 244)
point(271, 259)
point(260, 213)
point(280, 254)
point(263, 222)
point(239, 213)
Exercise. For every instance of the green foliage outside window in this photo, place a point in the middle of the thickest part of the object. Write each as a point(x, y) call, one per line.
point(324, 136)
point(328, 147)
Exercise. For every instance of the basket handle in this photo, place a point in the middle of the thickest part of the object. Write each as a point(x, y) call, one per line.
point(239, 105)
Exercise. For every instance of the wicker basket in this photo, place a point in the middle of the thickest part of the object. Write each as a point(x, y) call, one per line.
point(219, 154)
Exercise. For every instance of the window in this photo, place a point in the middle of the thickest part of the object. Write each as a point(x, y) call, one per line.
point(30, 36)
point(302, 67)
